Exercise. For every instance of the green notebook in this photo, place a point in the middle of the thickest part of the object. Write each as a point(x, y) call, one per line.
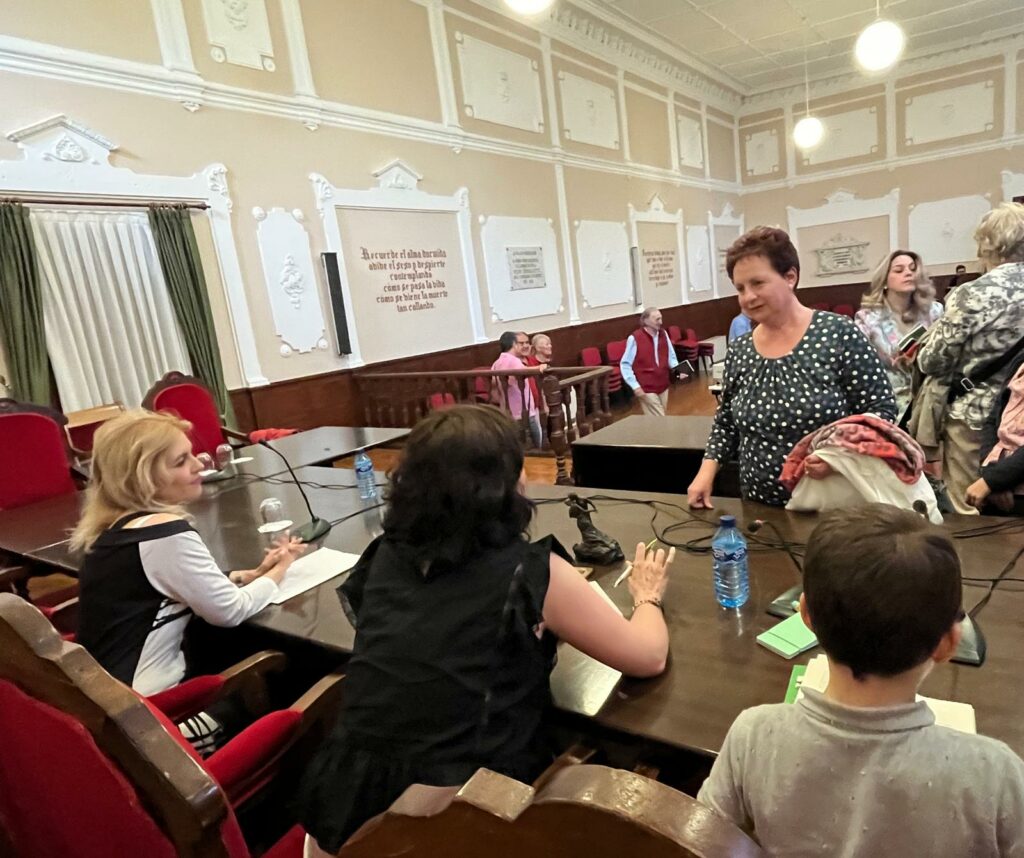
point(795, 679)
point(788, 638)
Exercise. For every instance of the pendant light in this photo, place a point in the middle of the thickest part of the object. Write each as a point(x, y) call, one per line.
point(880, 44)
point(810, 130)
point(529, 7)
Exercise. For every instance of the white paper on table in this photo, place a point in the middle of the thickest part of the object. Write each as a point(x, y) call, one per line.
point(312, 570)
point(581, 683)
point(948, 713)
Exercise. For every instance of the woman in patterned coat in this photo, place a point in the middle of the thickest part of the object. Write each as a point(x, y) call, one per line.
point(982, 322)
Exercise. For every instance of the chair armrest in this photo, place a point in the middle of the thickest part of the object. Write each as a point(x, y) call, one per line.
point(248, 679)
point(574, 756)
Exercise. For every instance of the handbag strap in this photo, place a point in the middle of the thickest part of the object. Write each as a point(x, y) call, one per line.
point(963, 384)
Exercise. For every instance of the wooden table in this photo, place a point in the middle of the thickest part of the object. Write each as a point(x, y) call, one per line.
point(649, 454)
point(321, 446)
point(716, 669)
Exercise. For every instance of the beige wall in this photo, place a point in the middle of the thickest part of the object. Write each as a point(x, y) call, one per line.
point(386, 84)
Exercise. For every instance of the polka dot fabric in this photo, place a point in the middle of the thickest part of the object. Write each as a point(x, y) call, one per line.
point(770, 404)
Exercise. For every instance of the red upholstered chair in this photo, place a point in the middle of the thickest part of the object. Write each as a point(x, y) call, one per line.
point(92, 770)
point(440, 401)
point(705, 348)
point(821, 305)
point(591, 356)
point(845, 310)
point(482, 385)
point(193, 401)
point(615, 350)
point(674, 334)
point(35, 461)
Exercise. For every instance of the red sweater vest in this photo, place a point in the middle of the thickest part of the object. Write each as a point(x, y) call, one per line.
point(653, 377)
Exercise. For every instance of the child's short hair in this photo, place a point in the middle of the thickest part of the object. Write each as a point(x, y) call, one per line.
point(882, 588)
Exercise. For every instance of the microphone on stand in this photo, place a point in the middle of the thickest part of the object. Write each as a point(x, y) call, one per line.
point(317, 528)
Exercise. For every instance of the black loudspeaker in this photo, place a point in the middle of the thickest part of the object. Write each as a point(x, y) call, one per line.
point(330, 261)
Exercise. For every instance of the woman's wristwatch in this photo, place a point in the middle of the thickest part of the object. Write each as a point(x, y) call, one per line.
point(652, 601)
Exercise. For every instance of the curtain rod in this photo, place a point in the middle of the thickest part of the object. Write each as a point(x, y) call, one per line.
point(117, 204)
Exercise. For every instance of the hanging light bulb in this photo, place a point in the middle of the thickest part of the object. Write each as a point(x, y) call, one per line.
point(808, 132)
point(529, 7)
point(880, 44)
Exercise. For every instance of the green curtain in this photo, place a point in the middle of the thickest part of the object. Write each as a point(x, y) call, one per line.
point(21, 307)
point(183, 271)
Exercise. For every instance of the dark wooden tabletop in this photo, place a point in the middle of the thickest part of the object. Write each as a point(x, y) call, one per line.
point(641, 430)
point(321, 446)
point(716, 669)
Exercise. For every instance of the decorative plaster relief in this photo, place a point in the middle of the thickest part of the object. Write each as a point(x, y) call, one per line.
point(290, 279)
point(521, 260)
point(851, 134)
point(942, 231)
point(239, 33)
point(669, 265)
point(762, 152)
point(698, 258)
point(499, 85)
point(602, 248)
point(61, 139)
point(843, 205)
point(691, 141)
point(841, 255)
point(949, 113)
point(589, 111)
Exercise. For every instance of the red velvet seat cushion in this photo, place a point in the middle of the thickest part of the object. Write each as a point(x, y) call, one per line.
point(33, 460)
point(191, 697)
point(251, 751)
point(590, 356)
point(194, 404)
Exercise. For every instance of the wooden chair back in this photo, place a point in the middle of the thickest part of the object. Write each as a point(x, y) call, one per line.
point(581, 811)
point(88, 768)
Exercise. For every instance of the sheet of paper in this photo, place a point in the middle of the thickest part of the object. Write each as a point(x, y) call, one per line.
point(948, 713)
point(312, 570)
point(581, 683)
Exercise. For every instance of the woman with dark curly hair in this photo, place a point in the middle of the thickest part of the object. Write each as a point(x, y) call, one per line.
point(457, 615)
point(800, 370)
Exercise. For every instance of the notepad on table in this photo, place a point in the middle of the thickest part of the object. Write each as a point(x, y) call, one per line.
point(788, 638)
point(313, 569)
point(948, 713)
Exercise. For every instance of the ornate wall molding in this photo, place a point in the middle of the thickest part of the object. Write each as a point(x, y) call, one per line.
point(396, 190)
point(290, 279)
point(94, 176)
point(239, 33)
point(656, 213)
point(942, 231)
point(723, 230)
point(1013, 185)
point(522, 264)
point(698, 262)
point(841, 255)
point(849, 134)
point(590, 111)
point(499, 85)
point(690, 130)
point(843, 205)
point(945, 114)
point(602, 251)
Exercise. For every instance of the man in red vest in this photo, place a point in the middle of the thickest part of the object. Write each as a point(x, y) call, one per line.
point(648, 362)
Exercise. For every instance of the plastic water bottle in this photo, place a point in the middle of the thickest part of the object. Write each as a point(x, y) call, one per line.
point(732, 579)
point(364, 476)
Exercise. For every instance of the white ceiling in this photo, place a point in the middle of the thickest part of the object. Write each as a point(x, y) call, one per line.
point(759, 44)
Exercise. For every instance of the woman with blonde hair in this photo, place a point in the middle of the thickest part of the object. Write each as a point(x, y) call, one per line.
point(146, 571)
point(900, 298)
point(982, 324)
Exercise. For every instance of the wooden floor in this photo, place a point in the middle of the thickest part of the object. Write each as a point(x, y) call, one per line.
point(689, 398)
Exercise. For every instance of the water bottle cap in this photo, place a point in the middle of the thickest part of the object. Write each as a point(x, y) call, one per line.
point(727, 521)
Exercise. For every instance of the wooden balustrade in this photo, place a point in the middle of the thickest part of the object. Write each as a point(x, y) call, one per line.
point(575, 400)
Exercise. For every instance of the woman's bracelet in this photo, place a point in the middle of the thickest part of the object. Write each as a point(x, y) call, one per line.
point(652, 601)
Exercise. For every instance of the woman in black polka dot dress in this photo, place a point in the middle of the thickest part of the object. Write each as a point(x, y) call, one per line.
point(799, 370)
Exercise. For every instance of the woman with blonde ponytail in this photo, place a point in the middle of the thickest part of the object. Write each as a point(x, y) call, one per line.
point(146, 570)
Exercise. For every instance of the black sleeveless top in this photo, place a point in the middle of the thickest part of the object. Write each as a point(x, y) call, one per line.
point(449, 673)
